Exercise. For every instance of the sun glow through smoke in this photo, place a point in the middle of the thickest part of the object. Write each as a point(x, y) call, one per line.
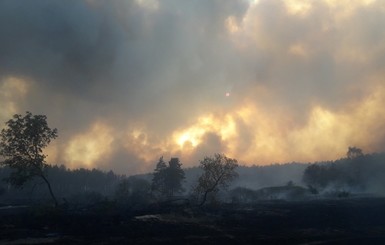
point(85, 149)
point(261, 81)
point(256, 135)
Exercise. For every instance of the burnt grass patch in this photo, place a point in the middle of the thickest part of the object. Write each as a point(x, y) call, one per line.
point(334, 221)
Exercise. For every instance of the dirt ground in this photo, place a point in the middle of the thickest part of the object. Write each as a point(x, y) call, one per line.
point(344, 221)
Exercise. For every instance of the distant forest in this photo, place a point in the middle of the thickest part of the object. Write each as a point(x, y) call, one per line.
point(357, 173)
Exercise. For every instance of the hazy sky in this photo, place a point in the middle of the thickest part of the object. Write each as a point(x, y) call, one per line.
point(266, 81)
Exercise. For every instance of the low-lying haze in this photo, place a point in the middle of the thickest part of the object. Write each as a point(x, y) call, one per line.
point(126, 82)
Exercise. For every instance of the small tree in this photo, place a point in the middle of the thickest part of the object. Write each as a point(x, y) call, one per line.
point(218, 172)
point(21, 146)
point(354, 152)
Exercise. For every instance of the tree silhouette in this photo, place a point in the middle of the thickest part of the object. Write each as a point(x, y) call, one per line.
point(354, 152)
point(167, 180)
point(353, 171)
point(158, 180)
point(174, 177)
point(316, 175)
point(218, 172)
point(22, 143)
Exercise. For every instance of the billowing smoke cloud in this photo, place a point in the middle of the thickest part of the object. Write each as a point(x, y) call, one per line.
point(126, 82)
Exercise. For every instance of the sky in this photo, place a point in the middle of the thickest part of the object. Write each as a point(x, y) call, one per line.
point(126, 82)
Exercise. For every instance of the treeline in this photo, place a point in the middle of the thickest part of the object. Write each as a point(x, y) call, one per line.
point(66, 184)
point(25, 170)
point(82, 186)
point(357, 173)
point(354, 174)
point(256, 177)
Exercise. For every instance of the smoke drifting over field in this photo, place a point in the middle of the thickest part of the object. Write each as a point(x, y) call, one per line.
point(261, 81)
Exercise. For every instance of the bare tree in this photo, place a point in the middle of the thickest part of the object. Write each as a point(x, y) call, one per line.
point(218, 172)
point(21, 146)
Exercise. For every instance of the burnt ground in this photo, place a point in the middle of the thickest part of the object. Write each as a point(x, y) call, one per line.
point(346, 221)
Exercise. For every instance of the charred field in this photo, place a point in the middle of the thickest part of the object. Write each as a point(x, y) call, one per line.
point(323, 221)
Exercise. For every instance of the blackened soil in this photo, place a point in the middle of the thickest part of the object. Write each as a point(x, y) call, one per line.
point(347, 221)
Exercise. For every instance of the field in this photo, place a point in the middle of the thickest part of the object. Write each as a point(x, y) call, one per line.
point(338, 221)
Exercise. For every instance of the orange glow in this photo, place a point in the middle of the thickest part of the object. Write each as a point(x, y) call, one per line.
point(298, 7)
point(249, 133)
point(257, 136)
point(275, 81)
point(85, 149)
point(192, 136)
point(12, 89)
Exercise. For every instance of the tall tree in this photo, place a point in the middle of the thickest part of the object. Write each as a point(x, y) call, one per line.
point(218, 172)
point(158, 180)
point(21, 146)
point(174, 177)
point(167, 180)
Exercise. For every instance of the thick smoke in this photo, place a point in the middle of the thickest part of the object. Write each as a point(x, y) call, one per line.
point(128, 81)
